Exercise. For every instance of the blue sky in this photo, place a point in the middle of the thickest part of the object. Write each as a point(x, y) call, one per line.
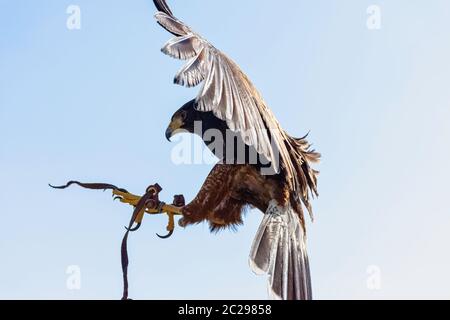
point(93, 105)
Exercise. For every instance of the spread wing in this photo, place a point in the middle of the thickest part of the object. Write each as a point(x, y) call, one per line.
point(226, 91)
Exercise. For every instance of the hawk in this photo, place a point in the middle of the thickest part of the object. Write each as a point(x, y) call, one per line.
point(229, 102)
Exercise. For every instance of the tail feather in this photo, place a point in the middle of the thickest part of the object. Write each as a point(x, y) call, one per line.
point(279, 249)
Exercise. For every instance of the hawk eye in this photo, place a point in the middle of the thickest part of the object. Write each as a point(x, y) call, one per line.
point(183, 115)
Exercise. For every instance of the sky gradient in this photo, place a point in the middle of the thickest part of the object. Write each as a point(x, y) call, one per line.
point(93, 104)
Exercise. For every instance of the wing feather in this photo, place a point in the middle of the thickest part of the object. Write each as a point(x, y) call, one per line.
point(226, 90)
point(172, 24)
point(192, 73)
point(162, 6)
point(183, 47)
point(230, 95)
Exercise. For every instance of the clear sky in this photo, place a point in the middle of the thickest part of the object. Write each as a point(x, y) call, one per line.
point(93, 104)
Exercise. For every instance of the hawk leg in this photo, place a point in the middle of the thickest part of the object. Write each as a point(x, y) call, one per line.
point(214, 202)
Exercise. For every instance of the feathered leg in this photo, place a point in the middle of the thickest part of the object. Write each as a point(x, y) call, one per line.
point(213, 197)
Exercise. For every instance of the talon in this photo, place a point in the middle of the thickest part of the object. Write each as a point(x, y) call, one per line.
point(166, 236)
point(170, 226)
point(125, 197)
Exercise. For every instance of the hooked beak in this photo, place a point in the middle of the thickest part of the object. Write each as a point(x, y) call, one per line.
point(169, 133)
point(175, 125)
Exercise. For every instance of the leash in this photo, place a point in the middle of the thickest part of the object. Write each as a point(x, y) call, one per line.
point(149, 203)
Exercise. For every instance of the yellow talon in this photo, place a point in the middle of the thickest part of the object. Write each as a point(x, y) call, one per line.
point(133, 200)
point(171, 209)
point(127, 198)
point(171, 225)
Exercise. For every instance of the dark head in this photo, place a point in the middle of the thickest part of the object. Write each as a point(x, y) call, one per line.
point(187, 119)
point(183, 120)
